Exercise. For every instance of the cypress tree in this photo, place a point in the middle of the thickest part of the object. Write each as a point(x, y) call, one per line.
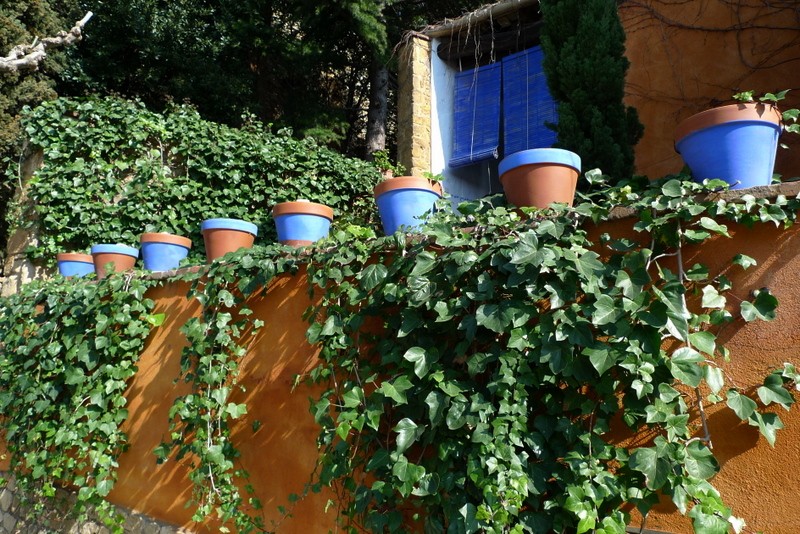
point(585, 65)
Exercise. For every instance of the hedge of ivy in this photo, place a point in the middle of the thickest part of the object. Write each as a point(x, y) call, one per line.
point(507, 346)
point(112, 170)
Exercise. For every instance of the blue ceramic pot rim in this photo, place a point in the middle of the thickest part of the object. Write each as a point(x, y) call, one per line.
point(229, 224)
point(535, 156)
point(115, 249)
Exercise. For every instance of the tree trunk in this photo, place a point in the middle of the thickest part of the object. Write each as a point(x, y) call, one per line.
point(378, 106)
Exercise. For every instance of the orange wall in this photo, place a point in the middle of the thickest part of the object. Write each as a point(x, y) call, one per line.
point(688, 56)
point(280, 456)
point(759, 482)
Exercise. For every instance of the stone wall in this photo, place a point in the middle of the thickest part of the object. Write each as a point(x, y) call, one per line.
point(16, 269)
point(414, 105)
point(16, 517)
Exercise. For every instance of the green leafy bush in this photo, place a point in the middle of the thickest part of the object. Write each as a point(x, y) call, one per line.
point(113, 170)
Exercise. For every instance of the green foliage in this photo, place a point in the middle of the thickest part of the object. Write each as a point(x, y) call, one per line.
point(68, 350)
point(114, 169)
point(474, 370)
point(584, 46)
point(504, 349)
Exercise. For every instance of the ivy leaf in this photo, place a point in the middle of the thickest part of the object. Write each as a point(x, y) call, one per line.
point(768, 424)
point(396, 390)
point(763, 307)
point(495, 317)
point(712, 298)
point(684, 366)
point(437, 402)
point(673, 188)
point(700, 462)
point(714, 378)
point(704, 342)
point(372, 276)
point(526, 249)
point(741, 405)
point(605, 311)
point(713, 226)
point(744, 261)
point(602, 359)
point(407, 433)
point(655, 469)
point(236, 410)
point(422, 359)
point(773, 391)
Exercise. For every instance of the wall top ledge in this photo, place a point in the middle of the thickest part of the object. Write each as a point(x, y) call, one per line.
point(788, 189)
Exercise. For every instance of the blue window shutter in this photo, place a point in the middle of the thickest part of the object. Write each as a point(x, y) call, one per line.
point(477, 115)
point(527, 104)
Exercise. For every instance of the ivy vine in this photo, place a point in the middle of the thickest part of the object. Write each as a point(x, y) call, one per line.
point(113, 170)
point(67, 352)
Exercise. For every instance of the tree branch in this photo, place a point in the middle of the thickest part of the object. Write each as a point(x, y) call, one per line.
point(29, 57)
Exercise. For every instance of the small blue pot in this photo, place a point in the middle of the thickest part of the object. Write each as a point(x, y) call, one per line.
point(402, 202)
point(163, 252)
point(70, 264)
point(735, 143)
point(301, 223)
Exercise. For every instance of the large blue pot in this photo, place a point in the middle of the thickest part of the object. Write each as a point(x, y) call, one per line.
point(301, 223)
point(736, 143)
point(163, 252)
point(402, 201)
point(71, 264)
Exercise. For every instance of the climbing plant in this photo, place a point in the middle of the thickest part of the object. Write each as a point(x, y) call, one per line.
point(67, 351)
point(484, 373)
point(113, 170)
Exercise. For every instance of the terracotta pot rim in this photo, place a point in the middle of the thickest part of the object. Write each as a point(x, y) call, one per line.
point(229, 224)
point(540, 156)
point(743, 111)
point(407, 182)
point(302, 208)
point(106, 248)
point(166, 238)
point(74, 256)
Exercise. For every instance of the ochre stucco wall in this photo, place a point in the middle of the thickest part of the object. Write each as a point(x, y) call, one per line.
point(280, 456)
point(689, 56)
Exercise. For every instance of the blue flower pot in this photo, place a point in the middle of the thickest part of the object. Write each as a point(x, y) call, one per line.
point(70, 264)
point(301, 223)
point(163, 252)
point(736, 143)
point(121, 257)
point(222, 236)
point(403, 200)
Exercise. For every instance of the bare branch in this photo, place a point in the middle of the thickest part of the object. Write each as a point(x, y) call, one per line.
point(28, 57)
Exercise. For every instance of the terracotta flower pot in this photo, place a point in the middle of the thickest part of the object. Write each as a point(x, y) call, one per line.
point(540, 176)
point(301, 223)
point(72, 264)
point(736, 143)
point(403, 200)
point(110, 258)
point(162, 251)
point(222, 236)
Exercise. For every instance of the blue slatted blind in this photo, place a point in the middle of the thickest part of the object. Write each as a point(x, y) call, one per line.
point(477, 115)
point(527, 104)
